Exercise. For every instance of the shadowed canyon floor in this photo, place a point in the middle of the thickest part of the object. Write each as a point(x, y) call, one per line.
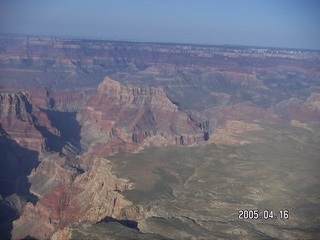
point(120, 140)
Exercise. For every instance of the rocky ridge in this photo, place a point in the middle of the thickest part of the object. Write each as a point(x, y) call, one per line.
point(24, 123)
point(135, 114)
point(118, 117)
point(74, 200)
point(124, 118)
point(58, 99)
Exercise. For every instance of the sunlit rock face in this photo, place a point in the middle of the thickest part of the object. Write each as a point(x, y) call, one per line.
point(90, 196)
point(134, 114)
point(124, 118)
point(26, 124)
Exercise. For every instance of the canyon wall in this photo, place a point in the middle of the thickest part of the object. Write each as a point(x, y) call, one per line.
point(66, 105)
point(114, 118)
point(90, 196)
point(135, 114)
point(25, 124)
point(190, 74)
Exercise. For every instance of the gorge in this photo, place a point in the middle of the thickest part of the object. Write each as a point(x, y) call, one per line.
point(156, 141)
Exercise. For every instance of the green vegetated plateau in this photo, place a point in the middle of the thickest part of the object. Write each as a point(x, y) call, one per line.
point(198, 191)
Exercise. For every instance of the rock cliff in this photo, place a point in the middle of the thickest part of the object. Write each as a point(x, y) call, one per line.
point(188, 73)
point(58, 99)
point(135, 114)
point(27, 125)
point(25, 133)
point(115, 118)
point(89, 196)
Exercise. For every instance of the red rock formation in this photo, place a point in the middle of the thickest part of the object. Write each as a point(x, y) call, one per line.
point(25, 131)
point(40, 97)
point(133, 114)
point(62, 100)
point(44, 177)
point(115, 118)
point(91, 196)
point(18, 121)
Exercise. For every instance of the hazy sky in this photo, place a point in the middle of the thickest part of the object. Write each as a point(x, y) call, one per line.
point(277, 23)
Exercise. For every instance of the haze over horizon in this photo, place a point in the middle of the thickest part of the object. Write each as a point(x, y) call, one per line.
point(281, 23)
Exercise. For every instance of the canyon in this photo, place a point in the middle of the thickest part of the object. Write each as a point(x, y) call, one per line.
point(156, 140)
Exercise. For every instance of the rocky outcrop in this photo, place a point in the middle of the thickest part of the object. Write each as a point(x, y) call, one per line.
point(115, 118)
point(23, 122)
point(52, 171)
point(231, 133)
point(26, 134)
point(134, 114)
point(58, 99)
point(91, 196)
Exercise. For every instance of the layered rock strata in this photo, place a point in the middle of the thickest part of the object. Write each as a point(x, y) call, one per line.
point(58, 99)
point(135, 114)
point(90, 196)
point(27, 125)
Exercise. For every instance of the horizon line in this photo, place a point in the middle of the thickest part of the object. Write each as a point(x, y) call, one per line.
point(224, 45)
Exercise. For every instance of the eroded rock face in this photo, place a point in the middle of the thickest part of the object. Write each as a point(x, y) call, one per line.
point(58, 99)
point(115, 118)
point(20, 144)
point(24, 123)
point(90, 196)
point(26, 137)
point(134, 114)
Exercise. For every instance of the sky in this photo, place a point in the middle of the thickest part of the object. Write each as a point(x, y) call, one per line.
point(271, 23)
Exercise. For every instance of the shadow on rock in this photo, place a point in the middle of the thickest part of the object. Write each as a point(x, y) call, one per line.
point(127, 223)
point(16, 163)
